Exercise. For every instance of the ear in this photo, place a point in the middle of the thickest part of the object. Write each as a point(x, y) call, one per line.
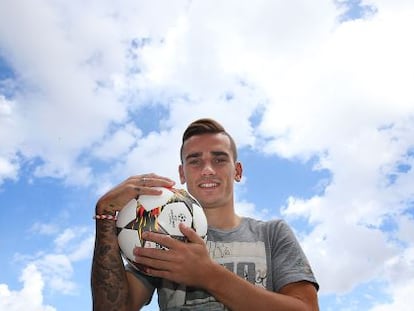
point(239, 172)
point(181, 173)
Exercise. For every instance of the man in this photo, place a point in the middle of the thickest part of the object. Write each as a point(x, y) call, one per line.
point(246, 264)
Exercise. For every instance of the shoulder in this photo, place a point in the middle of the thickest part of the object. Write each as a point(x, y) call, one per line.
point(273, 224)
point(273, 231)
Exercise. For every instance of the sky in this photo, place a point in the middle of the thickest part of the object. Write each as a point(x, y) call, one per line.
point(317, 94)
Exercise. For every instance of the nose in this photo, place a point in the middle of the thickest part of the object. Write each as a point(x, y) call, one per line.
point(207, 170)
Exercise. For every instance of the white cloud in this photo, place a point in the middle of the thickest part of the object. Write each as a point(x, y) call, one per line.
point(248, 209)
point(118, 143)
point(30, 297)
point(46, 229)
point(406, 229)
point(350, 219)
point(9, 136)
point(340, 92)
point(65, 237)
point(354, 109)
point(401, 282)
point(56, 268)
point(84, 250)
point(76, 243)
point(57, 271)
point(66, 103)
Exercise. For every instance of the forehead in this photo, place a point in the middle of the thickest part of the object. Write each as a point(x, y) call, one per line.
point(207, 143)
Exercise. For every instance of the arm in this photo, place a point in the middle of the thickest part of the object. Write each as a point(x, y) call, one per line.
point(110, 284)
point(239, 294)
point(199, 270)
point(112, 287)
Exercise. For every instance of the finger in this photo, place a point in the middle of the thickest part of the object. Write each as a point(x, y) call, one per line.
point(116, 198)
point(154, 258)
point(151, 180)
point(162, 239)
point(156, 180)
point(151, 260)
point(190, 234)
point(171, 243)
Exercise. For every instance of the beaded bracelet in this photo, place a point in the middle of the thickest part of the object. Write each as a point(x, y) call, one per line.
point(109, 217)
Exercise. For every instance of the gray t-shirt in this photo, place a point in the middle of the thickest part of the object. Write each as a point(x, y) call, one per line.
point(265, 253)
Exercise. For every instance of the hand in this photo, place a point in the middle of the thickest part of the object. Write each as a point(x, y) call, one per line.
point(116, 198)
point(183, 263)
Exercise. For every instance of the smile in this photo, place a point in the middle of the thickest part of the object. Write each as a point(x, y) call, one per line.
point(208, 185)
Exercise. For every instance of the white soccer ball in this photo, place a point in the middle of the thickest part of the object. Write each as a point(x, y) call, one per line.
point(158, 213)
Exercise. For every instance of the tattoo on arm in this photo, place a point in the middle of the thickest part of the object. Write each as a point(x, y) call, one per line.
point(108, 280)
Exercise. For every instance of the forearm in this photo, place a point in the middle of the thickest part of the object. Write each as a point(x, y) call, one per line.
point(238, 294)
point(108, 279)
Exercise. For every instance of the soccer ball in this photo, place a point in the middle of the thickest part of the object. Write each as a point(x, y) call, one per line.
point(158, 213)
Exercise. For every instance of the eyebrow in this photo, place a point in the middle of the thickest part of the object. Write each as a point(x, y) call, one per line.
point(193, 155)
point(199, 154)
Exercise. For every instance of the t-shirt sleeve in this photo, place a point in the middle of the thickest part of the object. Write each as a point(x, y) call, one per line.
point(289, 262)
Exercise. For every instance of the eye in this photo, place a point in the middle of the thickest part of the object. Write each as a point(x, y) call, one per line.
point(220, 160)
point(194, 161)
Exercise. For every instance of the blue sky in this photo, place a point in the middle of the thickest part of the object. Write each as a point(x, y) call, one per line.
point(318, 97)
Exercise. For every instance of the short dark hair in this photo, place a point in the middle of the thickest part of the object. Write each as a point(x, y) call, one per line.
point(206, 126)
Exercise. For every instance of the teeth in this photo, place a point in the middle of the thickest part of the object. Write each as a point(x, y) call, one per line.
point(209, 185)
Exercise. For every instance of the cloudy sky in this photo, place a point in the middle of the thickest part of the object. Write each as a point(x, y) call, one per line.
point(318, 95)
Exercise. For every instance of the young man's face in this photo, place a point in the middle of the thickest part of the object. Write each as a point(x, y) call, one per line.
point(209, 169)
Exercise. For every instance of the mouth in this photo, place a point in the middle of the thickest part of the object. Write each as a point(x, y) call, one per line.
point(208, 185)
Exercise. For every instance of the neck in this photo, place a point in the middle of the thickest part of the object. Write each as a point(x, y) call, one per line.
point(218, 219)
